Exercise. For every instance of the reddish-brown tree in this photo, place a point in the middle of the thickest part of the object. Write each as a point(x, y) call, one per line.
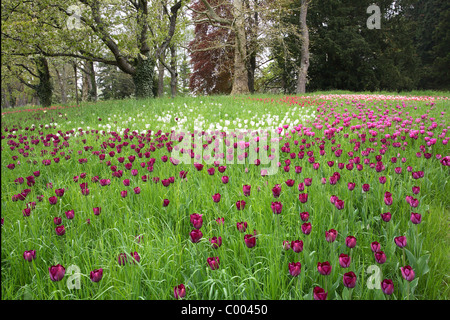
point(212, 51)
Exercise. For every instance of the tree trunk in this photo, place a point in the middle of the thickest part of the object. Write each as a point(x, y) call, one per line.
point(76, 81)
point(143, 77)
point(174, 73)
point(92, 96)
point(304, 63)
point(44, 89)
point(85, 83)
point(240, 76)
point(161, 76)
point(62, 83)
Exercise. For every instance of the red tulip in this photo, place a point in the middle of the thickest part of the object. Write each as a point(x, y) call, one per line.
point(135, 256)
point(339, 204)
point(26, 212)
point(57, 220)
point(166, 202)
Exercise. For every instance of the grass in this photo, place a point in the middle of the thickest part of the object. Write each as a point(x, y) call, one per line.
point(168, 257)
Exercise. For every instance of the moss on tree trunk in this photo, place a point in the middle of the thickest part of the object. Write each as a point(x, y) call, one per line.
point(143, 77)
point(44, 88)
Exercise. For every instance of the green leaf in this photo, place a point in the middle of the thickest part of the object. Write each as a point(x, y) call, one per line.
point(412, 260)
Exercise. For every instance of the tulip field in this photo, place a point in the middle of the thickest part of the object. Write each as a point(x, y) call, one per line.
point(318, 197)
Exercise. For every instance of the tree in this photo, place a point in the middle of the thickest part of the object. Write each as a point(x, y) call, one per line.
point(211, 52)
point(126, 34)
point(236, 24)
point(431, 23)
point(304, 51)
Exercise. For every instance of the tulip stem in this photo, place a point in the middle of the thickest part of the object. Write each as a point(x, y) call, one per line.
point(407, 289)
point(404, 256)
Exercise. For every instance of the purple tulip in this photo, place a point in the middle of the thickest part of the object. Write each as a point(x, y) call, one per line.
point(250, 240)
point(213, 262)
point(297, 246)
point(387, 286)
point(276, 207)
point(96, 275)
point(195, 235)
point(60, 230)
point(216, 242)
point(295, 268)
point(400, 241)
point(70, 214)
point(57, 272)
point(344, 260)
point(407, 273)
point(179, 291)
point(319, 293)
point(29, 255)
point(350, 242)
point(324, 268)
point(349, 279)
point(380, 257)
point(196, 220)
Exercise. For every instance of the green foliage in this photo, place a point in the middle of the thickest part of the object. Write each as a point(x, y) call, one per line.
point(114, 84)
